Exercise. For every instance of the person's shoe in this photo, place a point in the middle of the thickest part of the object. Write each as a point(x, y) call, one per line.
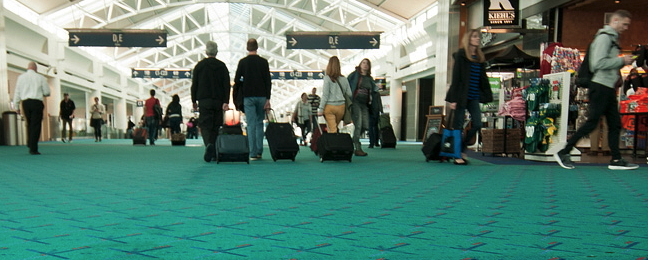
point(96, 140)
point(63, 140)
point(621, 164)
point(210, 153)
point(564, 161)
point(254, 158)
point(70, 141)
point(460, 162)
point(34, 152)
point(377, 145)
point(371, 146)
point(360, 153)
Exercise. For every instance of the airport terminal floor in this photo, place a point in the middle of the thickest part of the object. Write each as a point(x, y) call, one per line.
point(113, 200)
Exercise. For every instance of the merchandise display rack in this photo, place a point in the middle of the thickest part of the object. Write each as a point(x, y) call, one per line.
point(559, 139)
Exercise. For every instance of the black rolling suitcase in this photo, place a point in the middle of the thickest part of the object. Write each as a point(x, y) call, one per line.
point(281, 141)
point(432, 148)
point(139, 136)
point(335, 146)
point(387, 138)
point(232, 145)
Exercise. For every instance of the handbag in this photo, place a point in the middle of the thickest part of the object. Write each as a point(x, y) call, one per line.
point(451, 140)
point(347, 106)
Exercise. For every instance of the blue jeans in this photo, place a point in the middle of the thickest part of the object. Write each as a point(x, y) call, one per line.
point(254, 114)
point(475, 118)
point(174, 124)
point(152, 124)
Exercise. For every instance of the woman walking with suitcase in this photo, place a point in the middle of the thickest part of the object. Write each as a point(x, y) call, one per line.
point(469, 87)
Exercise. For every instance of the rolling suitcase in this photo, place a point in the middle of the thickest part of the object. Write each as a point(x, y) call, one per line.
point(281, 141)
point(139, 136)
point(432, 148)
point(231, 144)
point(315, 135)
point(335, 146)
point(178, 139)
point(387, 138)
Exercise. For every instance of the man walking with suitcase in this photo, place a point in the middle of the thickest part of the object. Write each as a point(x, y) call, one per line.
point(210, 92)
point(253, 81)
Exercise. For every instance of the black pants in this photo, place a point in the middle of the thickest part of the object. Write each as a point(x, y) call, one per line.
point(374, 132)
point(603, 102)
point(96, 124)
point(33, 109)
point(67, 122)
point(211, 118)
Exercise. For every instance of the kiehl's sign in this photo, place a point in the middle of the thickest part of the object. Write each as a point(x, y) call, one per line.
point(501, 13)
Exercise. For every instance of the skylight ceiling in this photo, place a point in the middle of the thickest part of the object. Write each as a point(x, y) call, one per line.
point(190, 23)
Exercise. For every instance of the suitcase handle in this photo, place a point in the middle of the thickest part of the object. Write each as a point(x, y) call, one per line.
point(274, 116)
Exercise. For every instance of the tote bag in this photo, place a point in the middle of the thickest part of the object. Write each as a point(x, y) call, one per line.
point(347, 106)
point(451, 140)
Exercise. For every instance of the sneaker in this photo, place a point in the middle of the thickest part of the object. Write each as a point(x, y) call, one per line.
point(63, 139)
point(621, 164)
point(254, 158)
point(564, 161)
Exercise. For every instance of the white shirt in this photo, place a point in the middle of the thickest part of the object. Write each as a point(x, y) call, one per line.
point(30, 85)
point(97, 110)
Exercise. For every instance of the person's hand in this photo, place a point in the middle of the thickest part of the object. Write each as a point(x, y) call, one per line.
point(320, 114)
point(453, 105)
point(195, 106)
point(627, 60)
point(267, 105)
point(225, 106)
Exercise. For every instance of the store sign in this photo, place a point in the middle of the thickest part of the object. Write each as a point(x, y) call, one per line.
point(501, 13)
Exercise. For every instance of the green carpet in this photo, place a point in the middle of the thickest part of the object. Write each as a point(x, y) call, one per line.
point(112, 200)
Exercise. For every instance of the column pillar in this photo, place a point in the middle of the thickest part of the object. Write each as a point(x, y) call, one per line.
point(396, 105)
point(5, 96)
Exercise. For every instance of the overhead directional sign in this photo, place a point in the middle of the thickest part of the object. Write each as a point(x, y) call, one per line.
point(161, 73)
point(117, 38)
point(296, 75)
point(333, 40)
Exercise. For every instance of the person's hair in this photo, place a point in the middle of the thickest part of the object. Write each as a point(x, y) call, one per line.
point(333, 68)
point(65, 94)
point(622, 14)
point(211, 48)
point(359, 70)
point(252, 45)
point(152, 92)
point(175, 98)
point(465, 44)
point(304, 94)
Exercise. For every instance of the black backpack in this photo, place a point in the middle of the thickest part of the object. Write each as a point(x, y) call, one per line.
point(585, 74)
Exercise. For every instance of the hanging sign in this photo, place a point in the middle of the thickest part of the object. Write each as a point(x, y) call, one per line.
point(502, 13)
point(117, 38)
point(161, 73)
point(333, 40)
point(296, 74)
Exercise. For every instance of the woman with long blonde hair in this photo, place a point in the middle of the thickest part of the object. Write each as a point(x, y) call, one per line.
point(469, 87)
point(334, 89)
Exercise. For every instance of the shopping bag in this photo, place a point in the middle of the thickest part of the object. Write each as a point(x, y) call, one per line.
point(451, 143)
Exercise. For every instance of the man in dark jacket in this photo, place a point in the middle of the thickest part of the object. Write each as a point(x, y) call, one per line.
point(210, 92)
point(252, 80)
point(66, 114)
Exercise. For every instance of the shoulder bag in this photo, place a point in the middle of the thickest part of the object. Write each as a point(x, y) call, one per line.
point(347, 106)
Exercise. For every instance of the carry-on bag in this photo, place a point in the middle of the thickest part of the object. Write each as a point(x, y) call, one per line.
point(281, 139)
point(451, 140)
point(231, 144)
point(178, 139)
point(334, 146)
point(387, 138)
point(432, 148)
point(315, 135)
point(139, 136)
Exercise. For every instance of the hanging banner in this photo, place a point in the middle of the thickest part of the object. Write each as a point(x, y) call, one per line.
point(502, 13)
